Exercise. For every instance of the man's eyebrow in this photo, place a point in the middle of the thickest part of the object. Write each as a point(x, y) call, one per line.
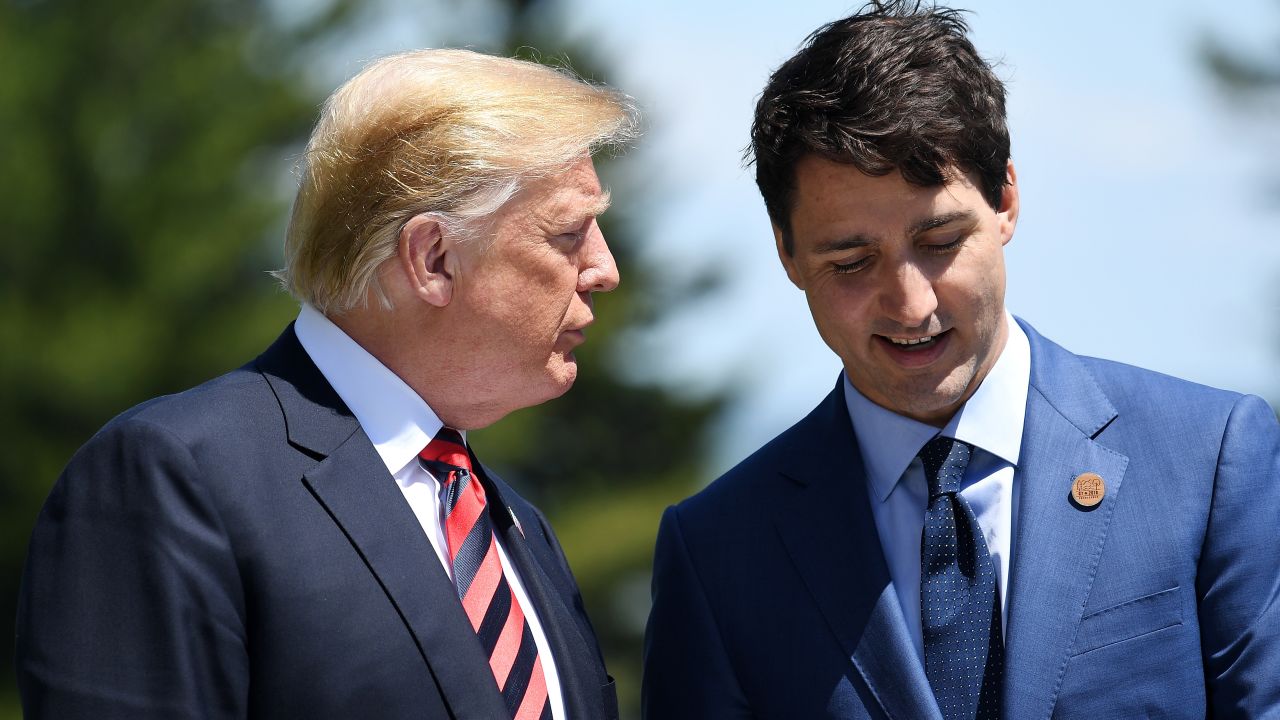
point(850, 242)
point(938, 221)
point(569, 214)
point(601, 204)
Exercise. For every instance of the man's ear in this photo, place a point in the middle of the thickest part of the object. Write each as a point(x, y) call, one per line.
point(428, 259)
point(1010, 204)
point(788, 261)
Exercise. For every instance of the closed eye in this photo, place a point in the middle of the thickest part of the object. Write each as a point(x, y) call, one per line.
point(568, 239)
point(571, 239)
point(850, 268)
point(946, 247)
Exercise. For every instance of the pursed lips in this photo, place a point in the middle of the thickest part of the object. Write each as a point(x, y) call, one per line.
point(576, 335)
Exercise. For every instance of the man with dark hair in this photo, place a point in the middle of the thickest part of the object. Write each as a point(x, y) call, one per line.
point(975, 523)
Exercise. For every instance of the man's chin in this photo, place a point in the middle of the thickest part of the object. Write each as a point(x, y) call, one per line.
point(928, 401)
point(564, 372)
point(936, 405)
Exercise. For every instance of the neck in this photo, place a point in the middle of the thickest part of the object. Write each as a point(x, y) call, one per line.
point(415, 346)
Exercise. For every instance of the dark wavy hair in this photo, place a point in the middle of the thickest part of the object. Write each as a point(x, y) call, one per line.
point(897, 86)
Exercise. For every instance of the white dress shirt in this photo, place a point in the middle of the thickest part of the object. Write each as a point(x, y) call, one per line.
point(991, 421)
point(399, 423)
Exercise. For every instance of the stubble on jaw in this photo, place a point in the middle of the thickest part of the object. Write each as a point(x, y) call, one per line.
point(934, 400)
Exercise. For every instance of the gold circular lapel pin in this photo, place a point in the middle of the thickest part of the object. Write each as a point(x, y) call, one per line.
point(1087, 490)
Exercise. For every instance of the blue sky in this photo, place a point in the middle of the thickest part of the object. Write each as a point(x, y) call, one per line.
point(1146, 235)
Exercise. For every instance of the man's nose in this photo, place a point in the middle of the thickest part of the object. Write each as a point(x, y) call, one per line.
point(599, 271)
point(908, 298)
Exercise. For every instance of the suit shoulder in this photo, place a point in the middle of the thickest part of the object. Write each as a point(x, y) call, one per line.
point(213, 419)
point(1136, 389)
point(1133, 391)
point(749, 488)
point(215, 406)
point(1160, 417)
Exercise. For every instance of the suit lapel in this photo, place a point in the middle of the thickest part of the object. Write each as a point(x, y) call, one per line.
point(526, 548)
point(831, 536)
point(352, 484)
point(1057, 545)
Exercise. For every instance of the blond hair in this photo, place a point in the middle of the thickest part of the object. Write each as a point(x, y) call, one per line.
point(449, 132)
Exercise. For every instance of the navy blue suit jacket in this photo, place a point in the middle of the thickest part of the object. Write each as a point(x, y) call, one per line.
point(240, 551)
point(772, 598)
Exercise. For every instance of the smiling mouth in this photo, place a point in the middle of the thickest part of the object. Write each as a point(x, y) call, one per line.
point(914, 344)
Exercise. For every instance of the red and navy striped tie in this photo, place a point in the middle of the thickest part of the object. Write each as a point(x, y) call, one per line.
point(490, 604)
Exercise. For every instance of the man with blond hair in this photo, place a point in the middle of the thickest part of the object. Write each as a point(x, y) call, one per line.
point(310, 536)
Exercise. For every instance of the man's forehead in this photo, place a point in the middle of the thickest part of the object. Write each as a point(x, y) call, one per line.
point(841, 199)
point(817, 176)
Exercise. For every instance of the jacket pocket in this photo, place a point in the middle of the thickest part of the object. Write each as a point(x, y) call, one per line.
point(1129, 620)
point(609, 693)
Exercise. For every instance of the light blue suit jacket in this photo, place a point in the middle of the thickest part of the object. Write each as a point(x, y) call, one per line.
point(772, 599)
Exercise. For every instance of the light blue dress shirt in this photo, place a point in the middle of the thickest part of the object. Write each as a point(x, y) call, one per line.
point(991, 421)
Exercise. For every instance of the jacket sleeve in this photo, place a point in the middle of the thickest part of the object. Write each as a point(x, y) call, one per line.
point(687, 671)
point(131, 604)
point(1238, 579)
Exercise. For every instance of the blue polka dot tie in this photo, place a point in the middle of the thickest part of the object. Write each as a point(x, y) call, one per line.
point(959, 600)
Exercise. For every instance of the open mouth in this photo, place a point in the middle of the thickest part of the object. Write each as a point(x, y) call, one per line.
point(916, 344)
point(915, 352)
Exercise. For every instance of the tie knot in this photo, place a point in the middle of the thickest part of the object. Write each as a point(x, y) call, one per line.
point(449, 448)
point(944, 462)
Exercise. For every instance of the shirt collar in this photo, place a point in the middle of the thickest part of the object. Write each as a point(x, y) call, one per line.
point(991, 419)
point(396, 419)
